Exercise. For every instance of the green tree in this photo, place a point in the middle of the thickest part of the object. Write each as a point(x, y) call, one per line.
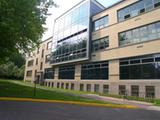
point(21, 25)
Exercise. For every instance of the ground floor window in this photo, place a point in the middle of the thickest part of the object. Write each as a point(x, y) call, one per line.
point(105, 89)
point(67, 85)
point(96, 88)
point(88, 87)
point(62, 85)
point(135, 90)
point(81, 87)
point(58, 85)
point(122, 90)
point(150, 91)
point(29, 73)
point(49, 73)
point(145, 67)
point(72, 86)
point(95, 71)
point(66, 72)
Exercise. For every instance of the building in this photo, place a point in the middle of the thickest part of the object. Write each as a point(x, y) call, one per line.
point(37, 63)
point(115, 51)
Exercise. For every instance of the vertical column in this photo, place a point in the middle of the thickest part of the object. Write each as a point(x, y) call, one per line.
point(78, 72)
point(56, 73)
point(113, 76)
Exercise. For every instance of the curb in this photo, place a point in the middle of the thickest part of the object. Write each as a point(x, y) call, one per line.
point(68, 102)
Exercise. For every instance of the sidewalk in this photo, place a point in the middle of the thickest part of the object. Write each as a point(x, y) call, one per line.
point(139, 104)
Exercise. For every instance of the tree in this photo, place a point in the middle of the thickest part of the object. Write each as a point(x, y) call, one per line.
point(21, 25)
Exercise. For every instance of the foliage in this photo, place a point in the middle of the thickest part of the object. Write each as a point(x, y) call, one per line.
point(11, 71)
point(21, 25)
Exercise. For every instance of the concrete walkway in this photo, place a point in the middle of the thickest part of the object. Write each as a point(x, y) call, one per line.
point(139, 104)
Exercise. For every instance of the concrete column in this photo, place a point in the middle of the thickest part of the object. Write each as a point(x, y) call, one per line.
point(142, 91)
point(157, 91)
point(78, 72)
point(56, 73)
point(114, 70)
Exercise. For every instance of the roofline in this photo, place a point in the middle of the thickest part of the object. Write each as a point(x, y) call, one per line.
point(70, 9)
point(120, 1)
point(46, 39)
point(99, 4)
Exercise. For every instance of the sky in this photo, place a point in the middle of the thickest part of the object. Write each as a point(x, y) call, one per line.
point(64, 5)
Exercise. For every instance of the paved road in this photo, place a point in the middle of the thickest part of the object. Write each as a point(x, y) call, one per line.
point(11, 110)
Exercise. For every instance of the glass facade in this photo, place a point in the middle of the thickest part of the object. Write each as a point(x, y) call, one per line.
point(100, 44)
point(137, 8)
point(145, 33)
point(71, 35)
point(95, 71)
point(147, 67)
point(100, 23)
point(66, 72)
point(49, 73)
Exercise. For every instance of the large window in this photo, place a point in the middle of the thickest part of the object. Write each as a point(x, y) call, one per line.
point(67, 72)
point(100, 23)
point(137, 8)
point(100, 44)
point(147, 67)
point(29, 73)
point(30, 63)
point(71, 35)
point(145, 33)
point(49, 73)
point(95, 71)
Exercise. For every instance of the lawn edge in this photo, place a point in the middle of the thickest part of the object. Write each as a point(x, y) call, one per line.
point(109, 105)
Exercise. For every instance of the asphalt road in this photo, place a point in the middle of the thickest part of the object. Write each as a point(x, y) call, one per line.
point(11, 110)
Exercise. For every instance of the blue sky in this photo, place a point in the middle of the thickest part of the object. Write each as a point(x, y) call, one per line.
point(64, 5)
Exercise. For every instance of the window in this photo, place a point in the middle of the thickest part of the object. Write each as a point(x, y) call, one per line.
point(100, 44)
point(72, 86)
point(96, 88)
point(105, 89)
point(38, 50)
point(29, 73)
point(143, 67)
point(58, 85)
point(67, 85)
point(41, 67)
point(141, 34)
point(135, 90)
point(66, 72)
point(49, 45)
point(100, 23)
point(62, 85)
point(81, 87)
point(88, 87)
point(122, 90)
point(30, 63)
point(36, 61)
point(42, 53)
point(47, 58)
point(49, 73)
point(150, 91)
point(137, 8)
point(95, 71)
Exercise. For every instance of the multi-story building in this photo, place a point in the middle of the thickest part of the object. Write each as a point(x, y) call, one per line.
point(37, 63)
point(115, 50)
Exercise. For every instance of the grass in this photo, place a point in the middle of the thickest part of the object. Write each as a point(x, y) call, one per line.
point(13, 88)
point(10, 88)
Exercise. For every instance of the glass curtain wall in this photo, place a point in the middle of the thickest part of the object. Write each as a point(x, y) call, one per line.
point(71, 35)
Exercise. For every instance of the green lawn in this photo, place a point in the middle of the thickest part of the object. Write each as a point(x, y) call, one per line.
point(10, 88)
